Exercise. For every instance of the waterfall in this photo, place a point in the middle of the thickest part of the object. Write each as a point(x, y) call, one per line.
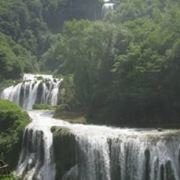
point(107, 7)
point(40, 89)
point(36, 160)
point(102, 153)
point(111, 154)
point(88, 152)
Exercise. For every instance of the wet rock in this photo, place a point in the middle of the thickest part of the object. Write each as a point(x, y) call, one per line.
point(147, 164)
point(72, 174)
point(170, 174)
point(64, 145)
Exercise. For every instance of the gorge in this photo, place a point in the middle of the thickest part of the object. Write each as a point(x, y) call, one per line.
point(55, 149)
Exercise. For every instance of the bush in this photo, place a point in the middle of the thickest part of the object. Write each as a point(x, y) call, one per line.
point(12, 123)
point(8, 177)
point(62, 108)
point(42, 107)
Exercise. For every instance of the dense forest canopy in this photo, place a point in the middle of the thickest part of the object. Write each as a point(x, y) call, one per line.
point(121, 67)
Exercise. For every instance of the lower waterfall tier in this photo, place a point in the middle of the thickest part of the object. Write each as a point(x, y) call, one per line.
point(124, 157)
point(88, 152)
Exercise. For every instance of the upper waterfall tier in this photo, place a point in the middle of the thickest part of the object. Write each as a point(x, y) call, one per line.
point(35, 89)
point(34, 77)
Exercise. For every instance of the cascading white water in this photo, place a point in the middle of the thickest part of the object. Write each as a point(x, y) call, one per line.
point(40, 89)
point(36, 160)
point(107, 7)
point(127, 154)
point(103, 153)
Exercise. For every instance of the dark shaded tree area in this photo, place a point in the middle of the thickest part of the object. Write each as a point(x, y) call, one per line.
point(32, 23)
point(126, 67)
point(14, 59)
point(33, 26)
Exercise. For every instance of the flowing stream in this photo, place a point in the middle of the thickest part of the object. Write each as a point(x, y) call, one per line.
point(101, 152)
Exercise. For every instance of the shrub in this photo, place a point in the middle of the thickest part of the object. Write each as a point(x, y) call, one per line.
point(12, 123)
point(42, 107)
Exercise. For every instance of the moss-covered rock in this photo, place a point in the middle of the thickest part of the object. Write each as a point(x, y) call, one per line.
point(12, 123)
point(42, 107)
point(64, 145)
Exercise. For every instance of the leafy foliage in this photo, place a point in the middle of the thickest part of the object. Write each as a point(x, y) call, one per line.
point(14, 59)
point(126, 67)
point(28, 28)
point(42, 107)
point(4, 177)
point(12, 123)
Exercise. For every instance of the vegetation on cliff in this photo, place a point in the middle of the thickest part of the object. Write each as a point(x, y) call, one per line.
point(12, 123)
